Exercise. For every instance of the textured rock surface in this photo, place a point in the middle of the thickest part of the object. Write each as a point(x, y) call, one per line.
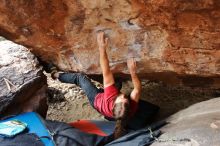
point(198, 125)
point(23, 85)
point(174, 41)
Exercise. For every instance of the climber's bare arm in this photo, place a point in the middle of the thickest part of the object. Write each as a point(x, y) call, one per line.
point(135, 94)
point(108, 78)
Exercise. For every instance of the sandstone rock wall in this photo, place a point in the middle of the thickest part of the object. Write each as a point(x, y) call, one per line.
point(196, 126)
point(22, 82)
point(176, 41)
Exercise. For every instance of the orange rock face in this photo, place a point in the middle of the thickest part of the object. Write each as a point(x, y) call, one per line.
point(174, 41)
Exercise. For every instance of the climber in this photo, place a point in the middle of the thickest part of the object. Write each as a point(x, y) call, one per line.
point(110, 102)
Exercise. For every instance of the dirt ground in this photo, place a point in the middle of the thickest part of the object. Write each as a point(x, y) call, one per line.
point(68, 103)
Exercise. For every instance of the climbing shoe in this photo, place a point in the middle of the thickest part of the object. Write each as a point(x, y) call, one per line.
point(48, 67)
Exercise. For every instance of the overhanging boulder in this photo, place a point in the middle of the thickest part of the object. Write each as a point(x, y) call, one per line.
point(173, 41)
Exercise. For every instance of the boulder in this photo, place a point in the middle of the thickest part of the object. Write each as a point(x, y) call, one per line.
point(198, 125)
point(173, 41)
point(23, 84)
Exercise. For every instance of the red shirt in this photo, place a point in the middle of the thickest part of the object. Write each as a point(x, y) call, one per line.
point(104, 102)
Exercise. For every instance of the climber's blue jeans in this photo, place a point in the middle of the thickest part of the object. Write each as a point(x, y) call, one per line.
point(83, 82)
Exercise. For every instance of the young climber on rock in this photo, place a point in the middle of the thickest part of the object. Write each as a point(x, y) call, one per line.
point(110, 102)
